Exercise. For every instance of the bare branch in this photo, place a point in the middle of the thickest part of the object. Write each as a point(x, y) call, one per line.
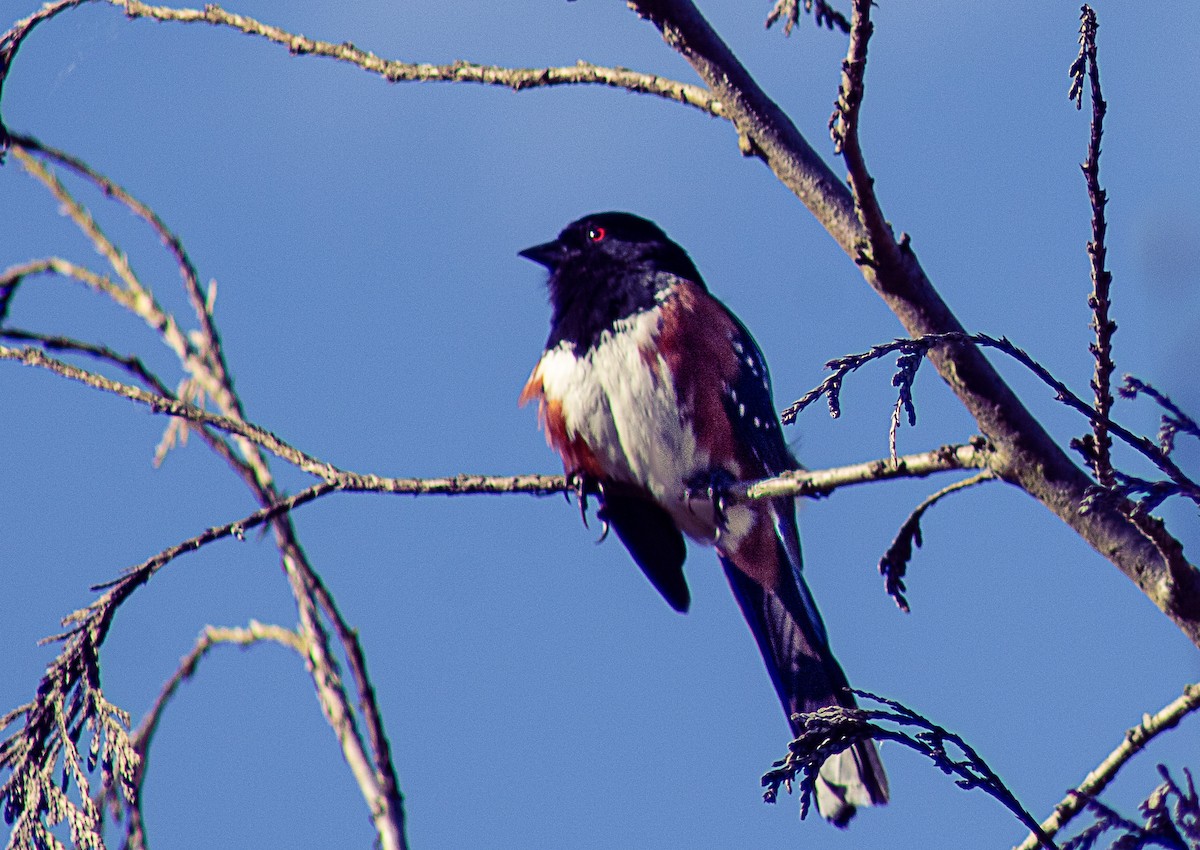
point(69, 696)
point(35, 357)
point(880, 246)
point(130, 363)
point(1134, 742)
point(821, 482)
point(517, 79)
point(798, 483)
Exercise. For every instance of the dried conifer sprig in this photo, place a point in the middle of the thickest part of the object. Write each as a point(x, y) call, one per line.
point(1172, 827)
point(822, 13)
point(1177, 481)
point(69, 699)
point(1174, 421)
point(833, 729)
point(893, 566)
point(357, 724)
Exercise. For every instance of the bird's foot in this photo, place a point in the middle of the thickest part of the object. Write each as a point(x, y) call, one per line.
point(713, 486)
point(583, 485)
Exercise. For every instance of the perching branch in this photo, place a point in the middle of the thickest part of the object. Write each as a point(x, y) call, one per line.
point(821, 482)
point(1134, 742)
point(799, 483)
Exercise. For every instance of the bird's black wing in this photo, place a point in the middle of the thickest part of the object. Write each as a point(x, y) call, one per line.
point(650, 535)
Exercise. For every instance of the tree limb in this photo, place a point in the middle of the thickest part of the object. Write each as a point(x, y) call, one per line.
point(1026, 455)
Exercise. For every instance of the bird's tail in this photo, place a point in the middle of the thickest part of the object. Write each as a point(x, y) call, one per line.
point(791, 636)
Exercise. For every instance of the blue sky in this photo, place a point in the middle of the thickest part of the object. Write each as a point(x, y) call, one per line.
point(537, 691)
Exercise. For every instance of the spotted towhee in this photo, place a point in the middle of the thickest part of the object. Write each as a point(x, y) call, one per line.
point(657, 399)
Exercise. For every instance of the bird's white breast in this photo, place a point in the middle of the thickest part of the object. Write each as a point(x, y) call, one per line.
point(620, 399)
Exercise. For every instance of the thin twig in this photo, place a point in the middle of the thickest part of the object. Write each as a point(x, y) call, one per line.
point(11, 41)
point(1134, 742)
point(1099, 299)
point(894, 564)
point(211, 637)
point(1174, 421)
point(880, 247)
point(821, 482)
point(31, 356)
point(191, 280)
point(129, 362)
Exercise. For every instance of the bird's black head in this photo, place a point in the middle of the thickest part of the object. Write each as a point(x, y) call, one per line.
point(606, 267)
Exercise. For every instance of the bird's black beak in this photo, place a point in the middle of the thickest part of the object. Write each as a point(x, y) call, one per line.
point(548, 254)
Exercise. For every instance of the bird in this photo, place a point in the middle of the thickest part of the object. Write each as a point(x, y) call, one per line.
point(658, 401)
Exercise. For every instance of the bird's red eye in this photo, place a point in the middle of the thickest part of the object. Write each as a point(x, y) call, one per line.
point(596, 234)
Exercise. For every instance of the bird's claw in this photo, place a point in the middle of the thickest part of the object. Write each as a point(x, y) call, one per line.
point(583, 485)
point(604, 529)
point(713, 487)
